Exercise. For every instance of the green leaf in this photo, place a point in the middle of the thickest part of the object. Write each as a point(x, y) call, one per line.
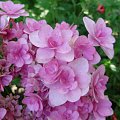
point(16, 81)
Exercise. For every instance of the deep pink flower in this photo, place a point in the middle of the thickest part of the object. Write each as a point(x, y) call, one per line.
point(98, 83)
point(30, 71)
point(5, 81)
point(31, 85)
point(5, 75)
point(30, 78)
point(10, 103)
point(85, 107)
point(33, 102)
point(18, 53)
point(64, 113)
point(84, 48)
point(2, 113)
point(12, 10)
point(17, 30)
point(100, 35)
point(101, 9)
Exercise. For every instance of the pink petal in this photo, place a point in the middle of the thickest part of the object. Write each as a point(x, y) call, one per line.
point(67, 35)
point(55, 98)
point(104, 107)
point(19, 62)
point(101, 70)
point(84, 80)
point(80, 65)
point(110, 39)
point(2, 113)
point(93, 40)
point(44, 34)
point(100, 24)
point(74, 95)
point(89, 24)
point(36, 41)
point(4, 22)
point(108, 52)
point(68, 57)
point(65, 48)
point(96, 58)
point(7, 79)
point(44, 55)
point(84, 91)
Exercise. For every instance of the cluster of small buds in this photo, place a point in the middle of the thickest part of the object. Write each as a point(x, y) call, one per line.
point(56, 68)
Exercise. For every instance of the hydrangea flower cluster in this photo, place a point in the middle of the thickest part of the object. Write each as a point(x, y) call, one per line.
point(56, 68)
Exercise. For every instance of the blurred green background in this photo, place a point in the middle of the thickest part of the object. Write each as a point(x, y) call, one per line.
point(72, 11)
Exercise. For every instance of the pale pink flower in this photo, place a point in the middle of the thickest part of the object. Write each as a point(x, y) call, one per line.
point(84, 48)
point(100, 35)
point(2, 113)
point(73, 28)
point(98, 83)
point(72, 83)
point(18, 52)
point(33, 102)
point(33, 25)
point(80, 67)
point(12, 10)
point(52, 43)
point(49, 72)
point(65, 89)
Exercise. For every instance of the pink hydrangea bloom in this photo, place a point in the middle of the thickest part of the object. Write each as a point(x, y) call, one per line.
point(33, 102)
point(84, 48)
point(12, 10)
point(72, 83)
point(55, 66)
point(100, 35)
point(2, 113)
point(98, 83)
point(18, 53)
